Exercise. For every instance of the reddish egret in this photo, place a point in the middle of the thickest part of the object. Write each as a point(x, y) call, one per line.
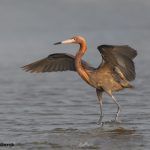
point(113, 74)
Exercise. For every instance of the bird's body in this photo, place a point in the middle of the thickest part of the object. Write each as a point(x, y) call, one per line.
point(99, 79)
point(113, 74)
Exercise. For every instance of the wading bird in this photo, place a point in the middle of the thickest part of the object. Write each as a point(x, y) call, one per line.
point(113, 74)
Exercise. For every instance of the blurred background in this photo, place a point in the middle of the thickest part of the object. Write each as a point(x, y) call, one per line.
point(58, 110)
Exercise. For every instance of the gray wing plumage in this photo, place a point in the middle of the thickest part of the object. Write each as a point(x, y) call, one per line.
point(120, 57)
point(55, 62)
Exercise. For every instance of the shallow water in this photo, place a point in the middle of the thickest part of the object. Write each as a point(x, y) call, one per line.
point(35, 115)
point(58, 110)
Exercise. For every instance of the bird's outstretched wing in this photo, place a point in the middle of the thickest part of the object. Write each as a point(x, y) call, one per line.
point(120, 58)
point(55, 62)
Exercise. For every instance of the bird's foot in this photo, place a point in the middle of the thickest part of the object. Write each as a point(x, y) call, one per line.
point(115, 121)
point(100, 123)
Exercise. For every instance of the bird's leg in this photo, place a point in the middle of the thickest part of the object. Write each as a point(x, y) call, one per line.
point(118, 111)
point(99, 95)
point(109, 92)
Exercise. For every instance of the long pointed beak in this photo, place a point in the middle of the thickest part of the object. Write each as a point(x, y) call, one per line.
point(65, 42)
point(57, 43)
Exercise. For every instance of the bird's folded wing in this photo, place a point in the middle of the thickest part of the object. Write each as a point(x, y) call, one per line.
point(53, 63)
point(120, 57)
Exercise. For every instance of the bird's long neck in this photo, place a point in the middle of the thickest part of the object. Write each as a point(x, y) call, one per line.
point(78, 62)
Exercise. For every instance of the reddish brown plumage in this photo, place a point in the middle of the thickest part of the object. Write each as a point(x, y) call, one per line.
point(113, 74)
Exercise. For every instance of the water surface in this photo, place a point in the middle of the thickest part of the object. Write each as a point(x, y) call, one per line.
point(58, 110)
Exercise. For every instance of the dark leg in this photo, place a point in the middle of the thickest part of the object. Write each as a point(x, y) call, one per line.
point(109, 92)
point(118, 111)
point(99, 95)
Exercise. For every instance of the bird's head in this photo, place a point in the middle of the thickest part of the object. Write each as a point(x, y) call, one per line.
point(75, 39)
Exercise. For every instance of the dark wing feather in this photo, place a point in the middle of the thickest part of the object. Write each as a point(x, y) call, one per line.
point(120, 57)
point(55, 62)
point(125, 50)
